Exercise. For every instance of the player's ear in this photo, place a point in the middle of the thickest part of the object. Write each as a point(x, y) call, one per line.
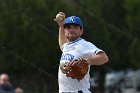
point(82, 30)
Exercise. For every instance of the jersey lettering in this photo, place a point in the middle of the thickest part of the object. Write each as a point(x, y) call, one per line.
point(67, 57)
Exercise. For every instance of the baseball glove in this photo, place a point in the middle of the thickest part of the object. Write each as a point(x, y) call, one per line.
point(76, 71)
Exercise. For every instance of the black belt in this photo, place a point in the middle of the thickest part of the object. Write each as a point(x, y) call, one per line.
point(80, 91)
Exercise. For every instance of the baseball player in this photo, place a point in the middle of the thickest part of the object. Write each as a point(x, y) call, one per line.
point(75, 51)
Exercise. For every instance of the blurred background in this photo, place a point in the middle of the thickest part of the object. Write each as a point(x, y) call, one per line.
point(29, 51)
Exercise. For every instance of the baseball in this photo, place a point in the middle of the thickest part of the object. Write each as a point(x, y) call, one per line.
point(59, 17)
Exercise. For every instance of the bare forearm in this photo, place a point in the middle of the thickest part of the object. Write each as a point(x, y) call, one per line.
point(60, 17)
point(61, 38)
point(97, 59)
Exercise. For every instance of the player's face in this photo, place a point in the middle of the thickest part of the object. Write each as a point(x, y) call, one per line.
point(73, 32)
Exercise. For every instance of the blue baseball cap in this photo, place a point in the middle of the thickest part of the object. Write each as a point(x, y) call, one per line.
point(73, 20)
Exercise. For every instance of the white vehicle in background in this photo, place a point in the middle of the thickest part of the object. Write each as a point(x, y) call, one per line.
point(129, 85)
point(123, 82)
point(119, 82)
point(138, 80)
point(113, 82)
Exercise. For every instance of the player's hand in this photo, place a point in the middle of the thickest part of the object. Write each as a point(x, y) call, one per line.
point(60, 17)
point(76, 62)
point(76, 69)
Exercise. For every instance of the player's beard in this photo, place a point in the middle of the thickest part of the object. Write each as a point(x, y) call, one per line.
point(71, 37)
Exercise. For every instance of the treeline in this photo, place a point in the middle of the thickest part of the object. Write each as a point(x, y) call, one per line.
point(28, 34)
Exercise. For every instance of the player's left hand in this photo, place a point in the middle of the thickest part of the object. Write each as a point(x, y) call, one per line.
point(76, 69)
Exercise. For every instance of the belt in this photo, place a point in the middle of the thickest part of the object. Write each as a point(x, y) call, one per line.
point(80, 91)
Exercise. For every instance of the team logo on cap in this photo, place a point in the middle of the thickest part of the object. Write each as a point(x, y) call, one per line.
point(72, 19)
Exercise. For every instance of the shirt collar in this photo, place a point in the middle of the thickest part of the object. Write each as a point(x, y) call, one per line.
point(75, 41)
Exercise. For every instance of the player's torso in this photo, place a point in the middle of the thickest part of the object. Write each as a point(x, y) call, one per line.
point(71, 52)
